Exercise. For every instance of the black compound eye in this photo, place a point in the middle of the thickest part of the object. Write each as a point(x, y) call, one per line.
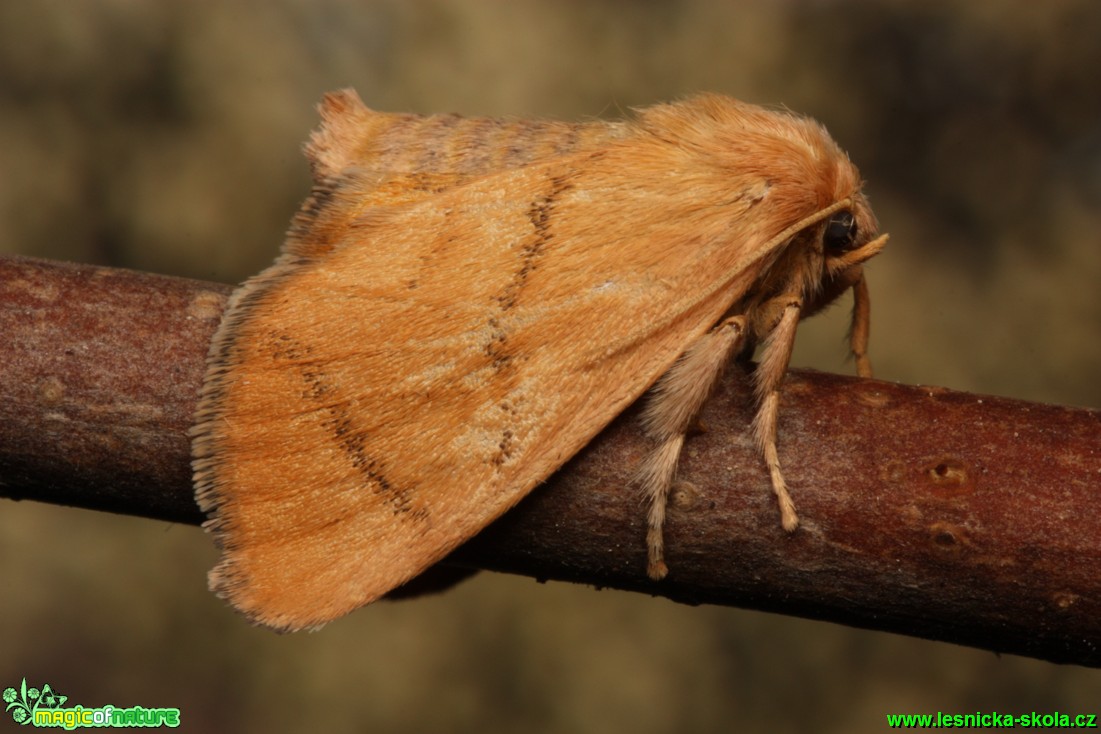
point(840, 233)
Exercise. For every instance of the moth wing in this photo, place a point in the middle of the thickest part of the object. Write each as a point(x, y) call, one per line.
point(369, 410)
point(364, 161)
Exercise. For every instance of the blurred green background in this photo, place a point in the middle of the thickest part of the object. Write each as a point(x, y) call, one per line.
point(165, 136)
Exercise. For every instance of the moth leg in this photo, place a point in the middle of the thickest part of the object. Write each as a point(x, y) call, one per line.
point(775, 355)
point(676, 401)
point(861, 327)
point(656, 477)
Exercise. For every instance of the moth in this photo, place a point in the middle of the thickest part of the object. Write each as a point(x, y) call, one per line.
point(463, 303)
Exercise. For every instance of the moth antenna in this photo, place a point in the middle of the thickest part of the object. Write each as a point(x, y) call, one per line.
point(676, 401)
point(813, 219)
point(769, 374)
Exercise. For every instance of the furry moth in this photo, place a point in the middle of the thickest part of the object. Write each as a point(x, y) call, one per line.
point(463, 303)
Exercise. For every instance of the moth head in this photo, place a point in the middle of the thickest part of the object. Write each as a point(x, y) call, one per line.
point(846, 236)
point(849, 237)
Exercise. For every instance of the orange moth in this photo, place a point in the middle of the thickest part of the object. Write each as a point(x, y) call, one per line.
point(463, 303)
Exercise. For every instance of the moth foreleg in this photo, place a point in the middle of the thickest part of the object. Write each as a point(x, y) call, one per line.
point(861, 327)
point(676, 400)
point(775, 355)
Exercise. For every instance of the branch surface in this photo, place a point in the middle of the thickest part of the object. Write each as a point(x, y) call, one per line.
point(928, 512)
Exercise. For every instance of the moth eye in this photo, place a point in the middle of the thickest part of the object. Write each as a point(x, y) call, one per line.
point(840, 232)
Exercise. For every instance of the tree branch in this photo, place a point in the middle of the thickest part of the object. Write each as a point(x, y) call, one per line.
point(933, 513)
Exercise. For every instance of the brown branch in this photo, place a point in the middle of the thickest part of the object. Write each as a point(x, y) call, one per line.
point(928, 512)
